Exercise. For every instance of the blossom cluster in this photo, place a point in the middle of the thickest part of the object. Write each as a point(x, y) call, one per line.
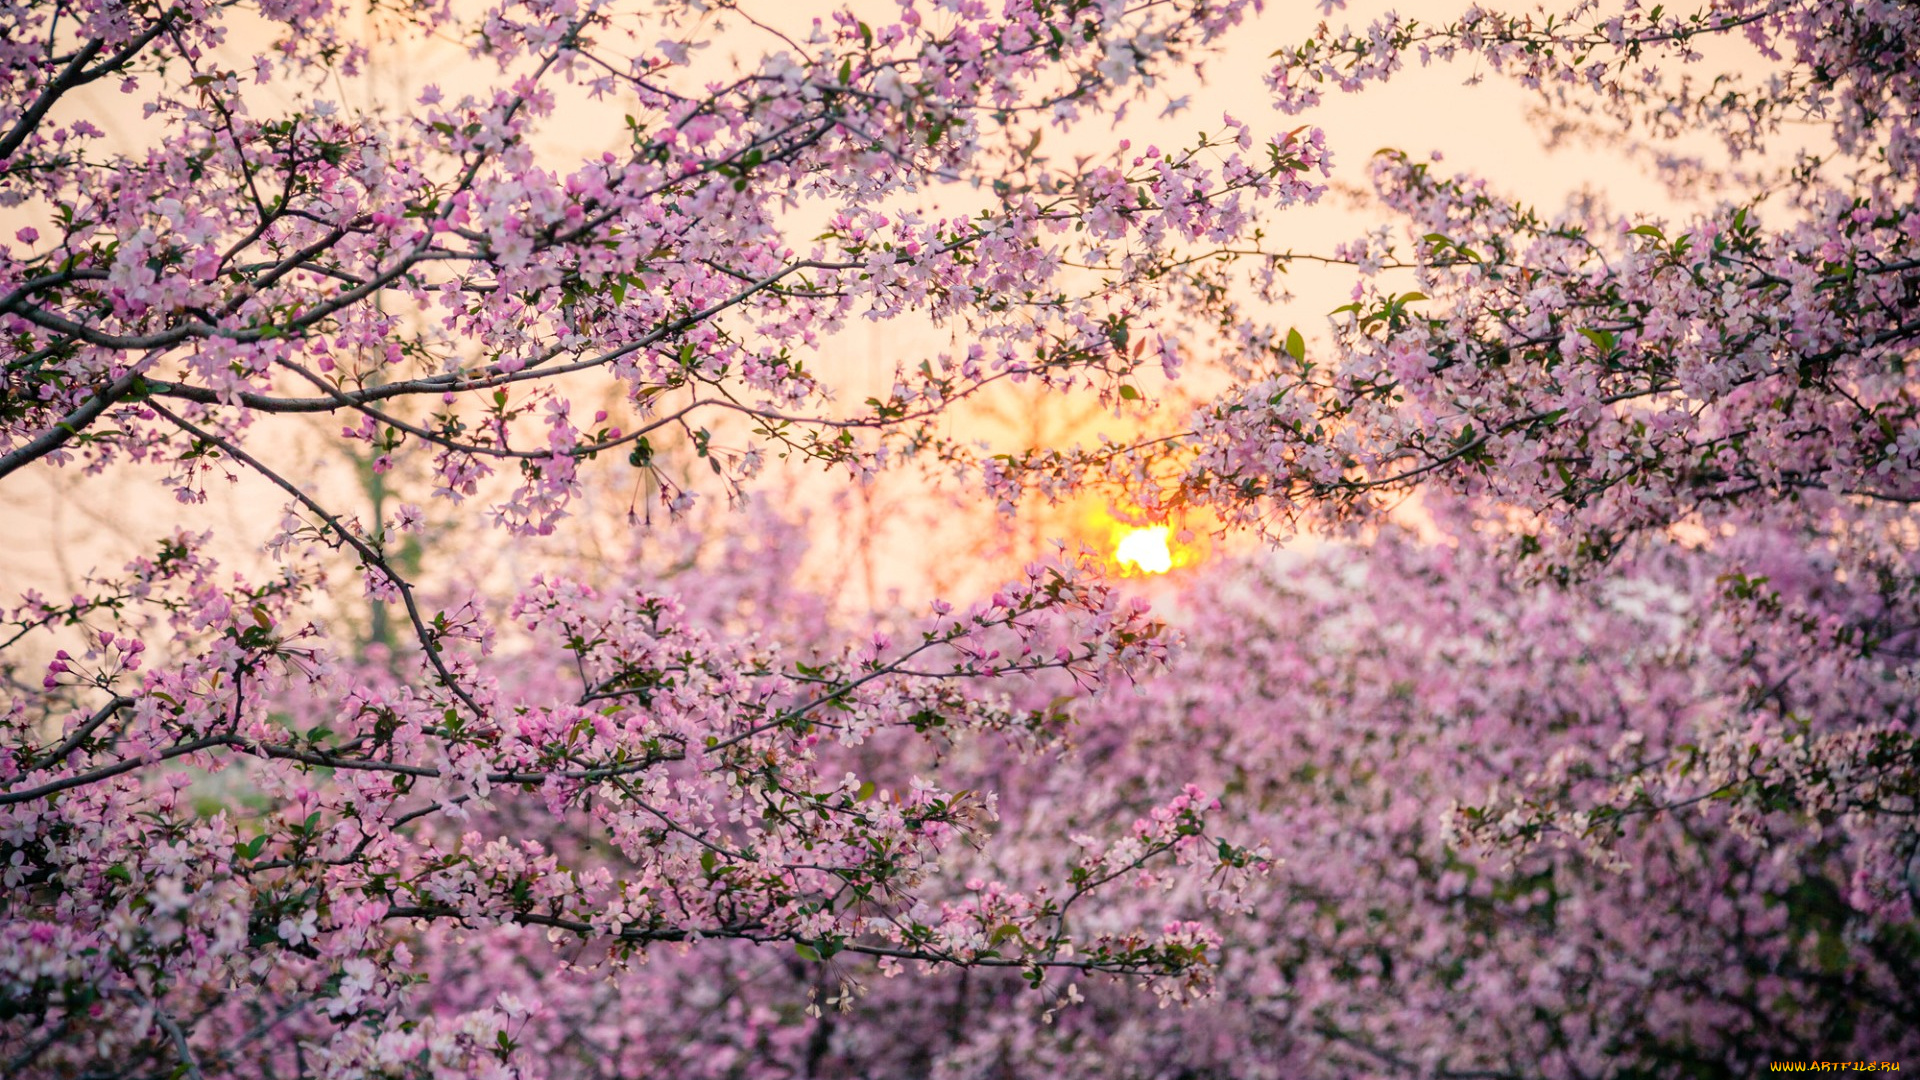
point(257, 834)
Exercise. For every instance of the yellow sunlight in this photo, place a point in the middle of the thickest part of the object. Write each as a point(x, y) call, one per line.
point(1146, 550)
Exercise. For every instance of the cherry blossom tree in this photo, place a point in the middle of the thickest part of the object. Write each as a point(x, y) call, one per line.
point(234, 842)
point(1613, 772)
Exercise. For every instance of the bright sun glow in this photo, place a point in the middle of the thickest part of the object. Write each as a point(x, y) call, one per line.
point(1146, 550)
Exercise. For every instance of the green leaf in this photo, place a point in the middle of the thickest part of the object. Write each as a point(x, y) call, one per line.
point(1648, 230)
point(806, 951)
point(1296, 345)
point(866, 791)
point(1129, 392)
point(119, 872)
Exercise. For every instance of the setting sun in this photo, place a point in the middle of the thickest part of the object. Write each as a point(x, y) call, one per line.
point(1145, 550)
